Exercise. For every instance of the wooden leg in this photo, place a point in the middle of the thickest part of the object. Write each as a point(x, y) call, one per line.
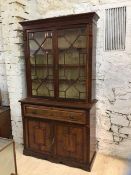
point(14, 159)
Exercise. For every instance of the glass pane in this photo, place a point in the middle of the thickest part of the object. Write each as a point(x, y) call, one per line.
point(72, 63)
point(41, 59)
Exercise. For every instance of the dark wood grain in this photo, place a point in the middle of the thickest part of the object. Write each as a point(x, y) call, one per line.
point(73, 116)
point(5, 122)
point(61, 21)
point(59, 129)
point(70, 141)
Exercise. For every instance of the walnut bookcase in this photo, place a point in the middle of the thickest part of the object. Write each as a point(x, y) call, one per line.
point(59, 111)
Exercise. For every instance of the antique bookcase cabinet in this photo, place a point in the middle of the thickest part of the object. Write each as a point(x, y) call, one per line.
point(59, 111)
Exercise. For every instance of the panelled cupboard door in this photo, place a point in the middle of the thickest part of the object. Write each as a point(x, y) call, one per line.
point(70, 142)
point(40, 136)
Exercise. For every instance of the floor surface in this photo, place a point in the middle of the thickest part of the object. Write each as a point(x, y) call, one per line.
point(103, 165)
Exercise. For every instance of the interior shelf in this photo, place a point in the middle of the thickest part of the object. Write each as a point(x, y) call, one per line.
point(71, 65)
point(50, 51)
point(41, 65)
point(60, 80)
point(78, 49)
point(59, 66)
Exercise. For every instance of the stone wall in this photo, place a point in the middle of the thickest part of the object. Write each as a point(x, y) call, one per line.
point(3, 80)
point(114, 92)
point(113, 68)
point(12, 12)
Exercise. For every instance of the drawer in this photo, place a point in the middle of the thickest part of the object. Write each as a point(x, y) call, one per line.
point(75, 116)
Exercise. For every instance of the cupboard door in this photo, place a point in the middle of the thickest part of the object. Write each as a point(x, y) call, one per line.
point(41, 59)
point(72, 63)
point(40, 136)
point(70, 142)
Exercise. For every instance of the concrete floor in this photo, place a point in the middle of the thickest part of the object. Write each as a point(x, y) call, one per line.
point(103, 165)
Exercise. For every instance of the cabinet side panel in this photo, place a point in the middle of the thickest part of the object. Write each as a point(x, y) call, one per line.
point(27, 62)
point(92, 132)
point(94, 30)
point(91, 61)
point(25, 128)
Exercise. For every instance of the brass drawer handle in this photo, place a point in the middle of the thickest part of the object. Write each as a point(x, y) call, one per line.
point(72, 118)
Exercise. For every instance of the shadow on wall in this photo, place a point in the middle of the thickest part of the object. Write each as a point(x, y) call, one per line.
point(129, 167)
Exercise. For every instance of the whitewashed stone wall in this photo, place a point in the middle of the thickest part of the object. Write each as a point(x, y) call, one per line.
point(3, 80)
point(12, 12)
point(113, 68)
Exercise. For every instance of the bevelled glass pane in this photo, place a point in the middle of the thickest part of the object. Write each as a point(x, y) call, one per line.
point(72, 63)
point(42, 60)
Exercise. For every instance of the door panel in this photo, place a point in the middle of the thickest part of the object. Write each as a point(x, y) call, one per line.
point(41, 63)
point(70, 142)
point(72, 63)
point(40, 136)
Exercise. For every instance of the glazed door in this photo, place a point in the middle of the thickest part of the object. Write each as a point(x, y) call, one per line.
point(72, 44)
point(58, 63)
point(40, 136)
point(70, 142)
point(41, 61)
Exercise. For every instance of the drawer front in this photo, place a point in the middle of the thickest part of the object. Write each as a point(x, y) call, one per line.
point(75, 116)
